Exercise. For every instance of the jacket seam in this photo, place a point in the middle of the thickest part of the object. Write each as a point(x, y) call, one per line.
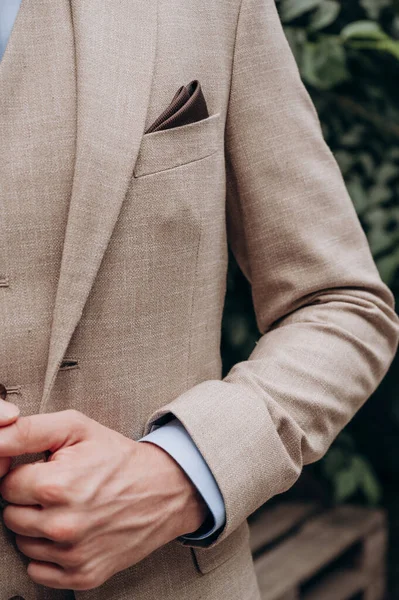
point(236, 191)
point(234, 53)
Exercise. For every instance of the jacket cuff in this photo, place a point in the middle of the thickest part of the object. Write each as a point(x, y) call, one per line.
point(240, 444)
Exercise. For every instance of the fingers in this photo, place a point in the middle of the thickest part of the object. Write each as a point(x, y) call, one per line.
point(54, 576)
point(65, 555)
point(58, 567)
point(38, 433)
point(8, 413)
point(27, 521)
point(21, 484)
point(49, 523)
point(38, 549)
point(49, 575)
point(46, 551)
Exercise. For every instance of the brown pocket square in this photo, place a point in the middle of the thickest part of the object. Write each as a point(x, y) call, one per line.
point(187, 106)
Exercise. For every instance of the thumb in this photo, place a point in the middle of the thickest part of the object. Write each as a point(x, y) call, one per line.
point(38, 433)
point(8, 413)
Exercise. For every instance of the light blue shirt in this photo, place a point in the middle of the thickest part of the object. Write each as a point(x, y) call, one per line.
point(8, 12)
point(172, 437)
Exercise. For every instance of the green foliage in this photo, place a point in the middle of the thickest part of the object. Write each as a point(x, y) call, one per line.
point(326, 13)
point(349, 473)
point(367, 35)
point(323, 52)
point(348, 57)
point(324, 62)
point(292, 9)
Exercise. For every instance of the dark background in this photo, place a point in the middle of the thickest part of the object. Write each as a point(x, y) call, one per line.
point(348, 56)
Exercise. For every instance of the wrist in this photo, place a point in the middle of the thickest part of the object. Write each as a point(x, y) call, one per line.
point(186, 508)
point(195, 511)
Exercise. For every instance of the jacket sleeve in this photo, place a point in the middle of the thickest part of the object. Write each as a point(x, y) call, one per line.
point(329, 330)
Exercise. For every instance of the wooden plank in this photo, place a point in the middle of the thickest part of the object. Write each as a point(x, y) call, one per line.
point(376, 588)
point(338, 586)
point(293, 595)
point(373, 555)
point(272, 523)
point(318, 543)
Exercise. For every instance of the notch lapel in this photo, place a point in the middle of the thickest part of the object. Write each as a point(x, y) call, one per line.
point(115, 45)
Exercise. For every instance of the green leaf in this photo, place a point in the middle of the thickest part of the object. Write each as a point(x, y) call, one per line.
point(324, 15)
point(374, 7)
point(367, 481)
point(296, 38)
point(358, 194)
point(292, 9)
point(380, 193)
point(353, 137)
point(363, 30)
point(379, 238)
point(371, 488)
point(387, 172)
point(388, 267)
point(395, 26)
point(324, 63)
point(345, 485)
point(345, 160)
point(367, 162)
point(389, 46)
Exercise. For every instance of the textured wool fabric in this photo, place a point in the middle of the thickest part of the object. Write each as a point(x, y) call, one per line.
point(37, 145)
point(114, 253)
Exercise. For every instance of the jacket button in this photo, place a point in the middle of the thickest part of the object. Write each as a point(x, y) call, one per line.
point(3, 395)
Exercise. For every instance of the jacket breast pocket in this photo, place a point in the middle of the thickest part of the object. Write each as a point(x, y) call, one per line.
point(171, 148)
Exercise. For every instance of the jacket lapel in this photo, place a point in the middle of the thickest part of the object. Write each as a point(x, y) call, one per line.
point(115, 46)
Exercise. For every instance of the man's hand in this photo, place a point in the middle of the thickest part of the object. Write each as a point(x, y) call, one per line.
point(8, 415)
point(100, 504)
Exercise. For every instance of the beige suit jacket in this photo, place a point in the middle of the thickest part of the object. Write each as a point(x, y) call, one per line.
point(139, 293)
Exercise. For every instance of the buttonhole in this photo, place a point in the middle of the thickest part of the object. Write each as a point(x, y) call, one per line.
point(4, 281)
point(68, 364)
point(13, 389)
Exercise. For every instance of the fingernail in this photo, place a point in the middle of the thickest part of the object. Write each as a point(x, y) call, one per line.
point(8, 410)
